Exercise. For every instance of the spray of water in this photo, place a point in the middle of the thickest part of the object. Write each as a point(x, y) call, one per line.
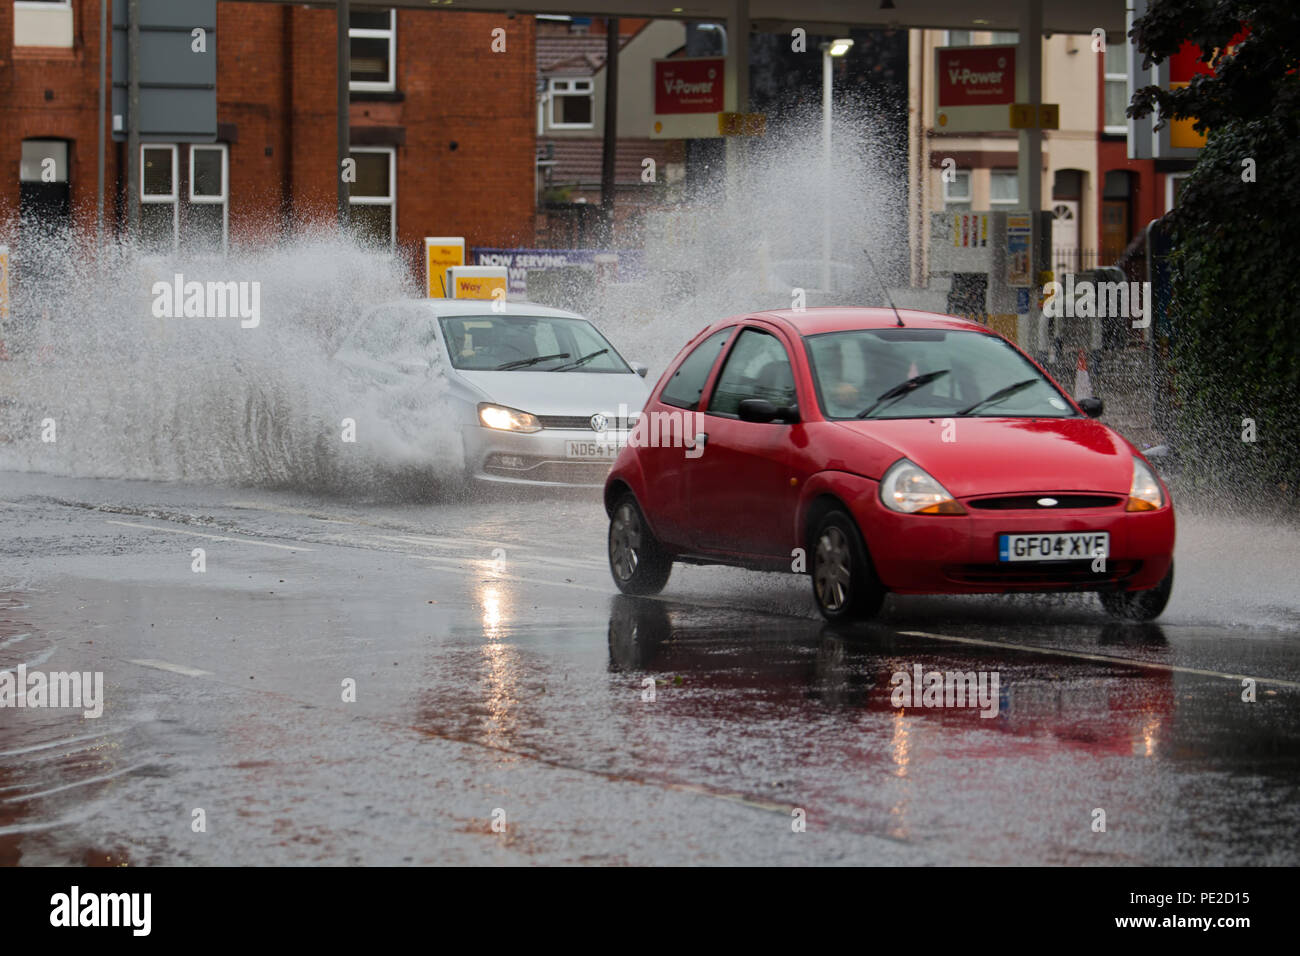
point(754, 239)
point(101, 385)
point(123, 392)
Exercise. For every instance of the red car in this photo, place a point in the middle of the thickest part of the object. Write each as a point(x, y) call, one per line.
point(884, 451)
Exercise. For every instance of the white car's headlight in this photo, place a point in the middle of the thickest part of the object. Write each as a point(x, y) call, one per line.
point(907, 488)
point(507, 419)
point(1145, 493)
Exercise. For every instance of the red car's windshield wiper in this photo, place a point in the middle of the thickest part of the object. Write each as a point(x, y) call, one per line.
point(901, 389)
point(999, 395)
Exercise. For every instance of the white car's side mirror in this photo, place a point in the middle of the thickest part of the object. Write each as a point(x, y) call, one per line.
point(640, 369)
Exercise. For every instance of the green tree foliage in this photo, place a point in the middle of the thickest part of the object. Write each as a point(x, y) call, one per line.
point(1235, 268)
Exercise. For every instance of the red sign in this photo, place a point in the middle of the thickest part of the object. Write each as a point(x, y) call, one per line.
point(689, 86)
point(1186, 63)
point(977, 76)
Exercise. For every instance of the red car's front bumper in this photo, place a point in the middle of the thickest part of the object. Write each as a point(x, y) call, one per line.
point(958, 554)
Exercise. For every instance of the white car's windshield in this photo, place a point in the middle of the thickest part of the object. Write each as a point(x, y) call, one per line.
point(924, 373)
point(528, 343)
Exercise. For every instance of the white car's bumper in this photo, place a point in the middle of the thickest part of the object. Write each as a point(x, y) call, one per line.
point(553, 456)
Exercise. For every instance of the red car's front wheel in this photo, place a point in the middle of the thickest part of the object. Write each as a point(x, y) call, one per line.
point(845, 585)
point(1139, 605)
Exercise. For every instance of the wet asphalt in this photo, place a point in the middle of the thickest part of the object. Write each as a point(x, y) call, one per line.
point(511, 708)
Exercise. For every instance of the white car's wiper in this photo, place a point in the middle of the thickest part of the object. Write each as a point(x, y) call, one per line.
point(524, 363)
point(999, 395)
point(579, 361)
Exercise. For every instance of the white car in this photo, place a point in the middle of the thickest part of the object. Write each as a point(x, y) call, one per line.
point(538, 395)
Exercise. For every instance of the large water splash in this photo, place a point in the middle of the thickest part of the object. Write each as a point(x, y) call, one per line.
point(124, 393)
point(754, 239)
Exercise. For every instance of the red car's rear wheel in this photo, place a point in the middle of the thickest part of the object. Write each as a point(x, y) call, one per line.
point(636, 560)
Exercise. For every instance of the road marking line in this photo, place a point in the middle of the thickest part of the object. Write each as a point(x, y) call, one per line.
point(76, 783)
point(212, 537)
point(16, 638)
point(51, 745)
point(174, 668)
point(1105, 658)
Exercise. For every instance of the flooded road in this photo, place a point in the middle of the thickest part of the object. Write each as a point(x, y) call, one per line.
point(353, 682)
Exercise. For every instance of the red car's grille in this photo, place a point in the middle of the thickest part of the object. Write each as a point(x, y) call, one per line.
point(1049, 575)
point(1031, 502)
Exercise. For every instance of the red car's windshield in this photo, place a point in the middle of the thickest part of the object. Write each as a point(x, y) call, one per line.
point(927, 373)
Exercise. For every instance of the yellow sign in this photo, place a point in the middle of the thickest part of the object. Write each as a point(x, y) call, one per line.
point(1024, 116)
point(4, 283)
point(742, 124)
point(1005, 324)
point(439, 255)
point(1181, 132)
point(478, 282)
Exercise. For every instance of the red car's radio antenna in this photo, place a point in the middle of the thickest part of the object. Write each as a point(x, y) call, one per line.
point(888, 297)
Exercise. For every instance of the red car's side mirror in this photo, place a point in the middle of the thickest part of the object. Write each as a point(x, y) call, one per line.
point(762, 411)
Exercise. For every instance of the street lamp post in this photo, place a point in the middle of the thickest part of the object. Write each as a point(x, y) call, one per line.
point(837, 47)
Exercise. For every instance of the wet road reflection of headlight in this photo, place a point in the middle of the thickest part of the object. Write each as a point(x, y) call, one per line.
point(491, 601)
point(902, 744)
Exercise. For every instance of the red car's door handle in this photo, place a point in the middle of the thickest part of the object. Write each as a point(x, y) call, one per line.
point(701, 439)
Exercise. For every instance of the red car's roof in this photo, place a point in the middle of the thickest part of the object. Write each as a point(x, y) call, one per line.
point(839, 319)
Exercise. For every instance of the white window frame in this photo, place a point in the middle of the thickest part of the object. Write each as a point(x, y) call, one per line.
point(947, 37)
point(224, 198)
point(1169, 188)
point(391, 198)
point(950, 195)
point(554, 94)
point(1015, 176)
point(58, 167)
point(375, 86)
point(174, 197)
point(1107, 79)
point(61, 20)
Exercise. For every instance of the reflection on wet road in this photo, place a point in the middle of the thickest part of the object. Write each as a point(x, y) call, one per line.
point(497, 677)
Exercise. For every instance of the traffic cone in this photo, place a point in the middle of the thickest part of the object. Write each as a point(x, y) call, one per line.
point(1082, 384)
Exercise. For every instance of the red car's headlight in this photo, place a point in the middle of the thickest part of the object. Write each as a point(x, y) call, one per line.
point(908, 489)
point(1145, 493)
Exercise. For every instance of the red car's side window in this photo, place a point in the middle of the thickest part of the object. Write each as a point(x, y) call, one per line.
point(686, 386)
point(756, 367)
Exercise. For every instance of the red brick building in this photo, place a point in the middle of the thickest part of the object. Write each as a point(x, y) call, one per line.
point(443, 127)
